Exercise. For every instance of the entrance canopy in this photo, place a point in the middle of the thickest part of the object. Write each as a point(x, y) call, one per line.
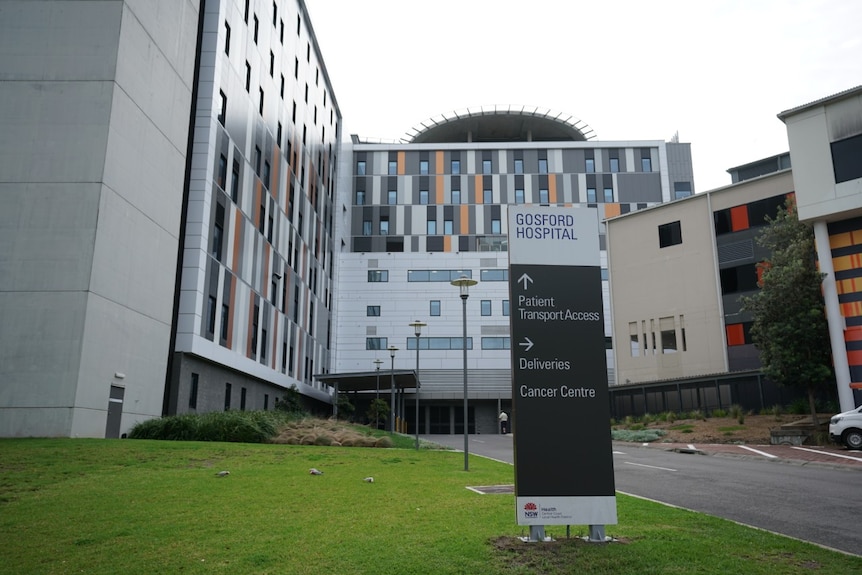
point(368, 380)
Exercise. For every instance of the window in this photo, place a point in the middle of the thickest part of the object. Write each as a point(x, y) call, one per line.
point(271, 64)
point(487, 196)
point(591, 165)
point(543, 165)
point(591, 195)
point(247, 76)
point(447, 227)
point(496, 343)
point(218, 232)
point(376, 343)
point(227, 387)
point(432, 227)
point(519, 166)
point(392, 198)
point(646, 164)
point(439, 343)
point(519, 196)
point(668, 335)
point(669, 234)
point(256, 26)
point(456, 196)
point(274, 14)
point(486, 166)
point(486, 307)
point(681, 190)
point(505, 307)
point(296, 68)
point(393, 168)
point(360, 168)
point(634, 340)
point(423, 197)
point(377, 276)
point(845, 159)
point(738, 279)
point(260, 105)
point(193, 392)
point(211, 314)
point(278, 134)
point(223, 112)
point(609, 195)
point(437, 275)
point(227, 38)
point(423, 166)
point(222, 171)
point(257, 159)
point(225, 320)
point(615, 164)
point(281, 89)
point(234, 183)
point(434, 310)
point(456, 166)
point(495, 227)
point(266, 174)
point(360, 197)
point(384, 227)
point(245, 13)
point(494, 275)
point(543, 196)
point(372, 311)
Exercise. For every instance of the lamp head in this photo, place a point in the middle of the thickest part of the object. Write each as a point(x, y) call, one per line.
point(392, 349)
point(417, 327)
point(464, 283)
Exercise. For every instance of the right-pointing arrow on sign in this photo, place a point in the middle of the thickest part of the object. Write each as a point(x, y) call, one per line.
point(526, 344)
point(525, 278)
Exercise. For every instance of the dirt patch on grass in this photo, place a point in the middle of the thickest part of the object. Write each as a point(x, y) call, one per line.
point(751, 429)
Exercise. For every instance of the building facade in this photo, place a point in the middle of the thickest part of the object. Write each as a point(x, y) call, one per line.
point(255, 291)
point(92, 172)
point(826, 148)
point(418, 214)
point(677, 272)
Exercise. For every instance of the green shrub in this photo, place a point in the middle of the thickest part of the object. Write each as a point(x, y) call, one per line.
point(718, 413)
point(637, 436)
point(234, 426)
point(799, 407)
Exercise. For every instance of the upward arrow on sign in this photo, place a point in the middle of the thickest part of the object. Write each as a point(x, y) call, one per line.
point(525, 279)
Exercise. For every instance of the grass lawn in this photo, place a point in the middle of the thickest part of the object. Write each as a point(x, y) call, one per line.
point(138, 506)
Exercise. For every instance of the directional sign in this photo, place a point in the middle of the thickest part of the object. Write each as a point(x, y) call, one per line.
point(563, 457)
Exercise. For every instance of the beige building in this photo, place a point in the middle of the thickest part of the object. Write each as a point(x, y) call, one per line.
point(677, 271)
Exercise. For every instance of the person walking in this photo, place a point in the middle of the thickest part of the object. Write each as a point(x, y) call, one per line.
point(504, 422)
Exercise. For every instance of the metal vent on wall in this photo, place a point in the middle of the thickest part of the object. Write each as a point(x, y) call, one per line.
point(737, 251)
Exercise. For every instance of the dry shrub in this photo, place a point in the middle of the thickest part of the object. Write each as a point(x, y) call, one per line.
point(311, 431)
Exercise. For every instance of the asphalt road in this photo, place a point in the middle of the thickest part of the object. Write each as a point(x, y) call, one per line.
point(814, 502)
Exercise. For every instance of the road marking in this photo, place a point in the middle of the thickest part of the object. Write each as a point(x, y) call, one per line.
point(757, 451)
point(650, 466)
point(827, 453)
point(618, 452)
point(691, 446)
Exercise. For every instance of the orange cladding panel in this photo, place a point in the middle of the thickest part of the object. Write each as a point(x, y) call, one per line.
point(465, 220)
point(739, 218)
point(401, 163)
point(612, 210)
point(552, 188)
point(735, 334)
point(438, 162)
point(438, 194)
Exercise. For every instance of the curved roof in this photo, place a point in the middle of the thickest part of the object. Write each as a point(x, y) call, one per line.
point(500, 124)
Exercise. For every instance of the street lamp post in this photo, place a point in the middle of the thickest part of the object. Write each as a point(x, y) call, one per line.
point(464, 283)
point(377, 363)
point(417, 329)
point(392, 350)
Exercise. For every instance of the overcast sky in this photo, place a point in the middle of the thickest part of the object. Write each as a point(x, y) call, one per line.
point(716, 72)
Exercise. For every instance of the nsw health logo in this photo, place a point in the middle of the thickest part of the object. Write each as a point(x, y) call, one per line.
point(531, 510)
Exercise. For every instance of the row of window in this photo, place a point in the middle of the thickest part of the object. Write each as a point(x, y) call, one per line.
point(228, 395)
point(440, 343)
point(431, 227)
point(486, 275)
point(657, 338)
point(517, 166)
point(457, 198)
point(434, 308)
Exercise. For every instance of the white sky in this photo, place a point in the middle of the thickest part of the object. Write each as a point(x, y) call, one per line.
point(718, 72)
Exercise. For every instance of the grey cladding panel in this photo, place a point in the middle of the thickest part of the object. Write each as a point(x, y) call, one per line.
point(638, 187)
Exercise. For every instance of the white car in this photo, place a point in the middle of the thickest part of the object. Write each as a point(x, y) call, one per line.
point(846, 428)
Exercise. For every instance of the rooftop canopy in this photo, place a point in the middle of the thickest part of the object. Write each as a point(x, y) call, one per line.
point(500, 124)
point(367, 380)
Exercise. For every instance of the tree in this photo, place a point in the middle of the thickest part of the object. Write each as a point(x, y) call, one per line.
point(378, 411)
point(790, 328)
point(345, 407)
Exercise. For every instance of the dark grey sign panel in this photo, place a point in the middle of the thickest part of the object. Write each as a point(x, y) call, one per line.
point(563, 453)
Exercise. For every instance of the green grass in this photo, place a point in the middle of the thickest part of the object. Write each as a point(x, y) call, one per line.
point(141, 506)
